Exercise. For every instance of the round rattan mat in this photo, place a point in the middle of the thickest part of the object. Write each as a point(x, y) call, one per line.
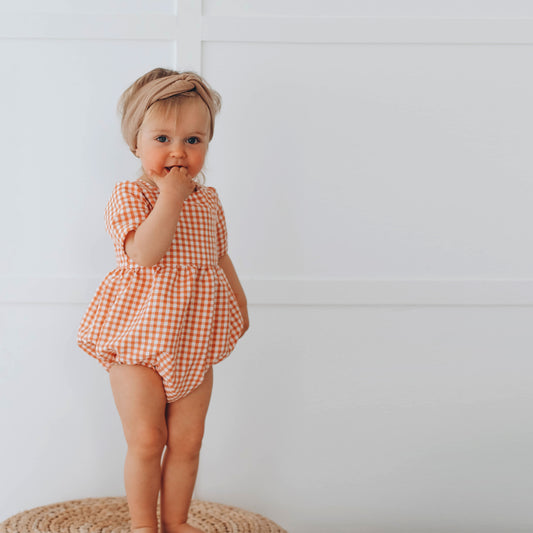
point(111, 515)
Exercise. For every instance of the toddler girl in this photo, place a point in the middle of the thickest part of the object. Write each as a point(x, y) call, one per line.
point(174, 306)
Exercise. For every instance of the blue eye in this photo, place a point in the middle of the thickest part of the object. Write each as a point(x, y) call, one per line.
point(162, 138)
point(193, 140)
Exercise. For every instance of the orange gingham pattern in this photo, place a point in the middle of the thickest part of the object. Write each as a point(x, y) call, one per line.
point(178, 317)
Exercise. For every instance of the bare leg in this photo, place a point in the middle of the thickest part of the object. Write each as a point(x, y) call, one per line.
point(185, 423)
point(141, 402)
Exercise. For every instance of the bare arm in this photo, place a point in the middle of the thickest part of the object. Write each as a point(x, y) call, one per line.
point(150, 241)
point(228, 268)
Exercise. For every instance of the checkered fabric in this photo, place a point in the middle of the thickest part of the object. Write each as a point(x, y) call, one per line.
point(178, 317)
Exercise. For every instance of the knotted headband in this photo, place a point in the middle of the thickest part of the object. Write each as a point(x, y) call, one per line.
point(161, 89)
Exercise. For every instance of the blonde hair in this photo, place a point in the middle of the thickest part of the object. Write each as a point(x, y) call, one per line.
point(166, 88)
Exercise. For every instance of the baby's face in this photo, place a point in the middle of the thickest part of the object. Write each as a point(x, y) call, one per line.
point(179, 138)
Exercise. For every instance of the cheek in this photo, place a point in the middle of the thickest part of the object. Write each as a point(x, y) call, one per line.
point(151, 161)
point(150, 155)
point(199, 157)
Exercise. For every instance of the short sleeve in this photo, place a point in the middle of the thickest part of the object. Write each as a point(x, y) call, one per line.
point(222, 232)
point(126, 210)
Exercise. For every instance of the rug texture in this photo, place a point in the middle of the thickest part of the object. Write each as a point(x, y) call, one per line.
point(111, 515)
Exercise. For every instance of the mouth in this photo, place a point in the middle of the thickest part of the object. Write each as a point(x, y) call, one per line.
point(168, 169)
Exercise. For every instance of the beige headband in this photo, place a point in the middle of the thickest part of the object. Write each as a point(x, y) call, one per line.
point(160, 89)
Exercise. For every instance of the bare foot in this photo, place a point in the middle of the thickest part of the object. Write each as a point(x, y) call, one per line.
point(144, 530)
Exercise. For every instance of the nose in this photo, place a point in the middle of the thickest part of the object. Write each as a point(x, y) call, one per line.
point(178, 151)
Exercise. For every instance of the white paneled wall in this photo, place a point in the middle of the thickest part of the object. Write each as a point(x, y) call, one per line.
point(374, 163)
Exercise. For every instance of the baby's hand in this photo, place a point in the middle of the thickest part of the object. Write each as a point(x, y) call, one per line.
point(176, 181)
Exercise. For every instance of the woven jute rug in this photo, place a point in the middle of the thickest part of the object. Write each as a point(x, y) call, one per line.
point(111, 515)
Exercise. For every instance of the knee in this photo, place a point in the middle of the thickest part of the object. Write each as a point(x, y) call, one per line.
point(147, 440)
point(187, 444)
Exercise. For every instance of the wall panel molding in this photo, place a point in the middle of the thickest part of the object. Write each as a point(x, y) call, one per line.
point(368, 30)
point(189, 35)
point(26, 290)
point(37, 26)
point(189, 29)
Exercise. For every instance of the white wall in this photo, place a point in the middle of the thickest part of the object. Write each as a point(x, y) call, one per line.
point(373, 159)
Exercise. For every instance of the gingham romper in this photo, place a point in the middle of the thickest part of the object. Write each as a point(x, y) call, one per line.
point(178, 317)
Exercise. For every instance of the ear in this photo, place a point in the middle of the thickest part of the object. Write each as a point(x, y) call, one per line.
point(136, 149)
